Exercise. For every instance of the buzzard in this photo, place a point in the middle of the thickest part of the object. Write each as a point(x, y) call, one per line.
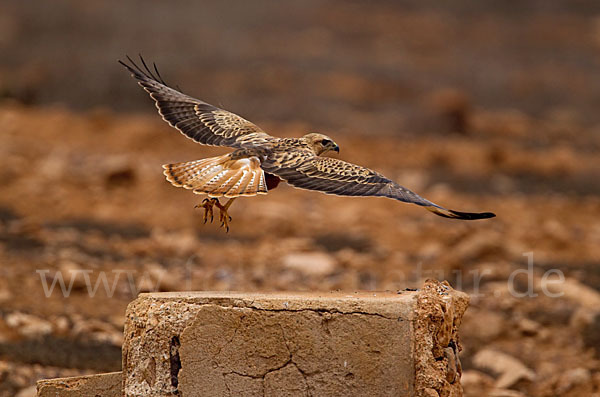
point(260, 161)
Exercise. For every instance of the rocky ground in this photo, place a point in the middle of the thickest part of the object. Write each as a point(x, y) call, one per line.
point(479, 106)
point(83, 197)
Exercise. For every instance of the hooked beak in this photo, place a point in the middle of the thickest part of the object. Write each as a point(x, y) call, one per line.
point(336, 148)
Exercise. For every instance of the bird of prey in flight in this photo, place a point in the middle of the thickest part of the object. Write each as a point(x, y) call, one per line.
point(260, 161)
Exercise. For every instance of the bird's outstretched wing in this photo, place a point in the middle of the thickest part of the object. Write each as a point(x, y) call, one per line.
point(198, 120)
point(332, 176)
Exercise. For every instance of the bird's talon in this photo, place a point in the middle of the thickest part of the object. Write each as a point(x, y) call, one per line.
point(207, 204)
point(224, 217)
point(225, 223)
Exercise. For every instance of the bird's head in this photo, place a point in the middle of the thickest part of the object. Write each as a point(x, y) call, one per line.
point(321, 143)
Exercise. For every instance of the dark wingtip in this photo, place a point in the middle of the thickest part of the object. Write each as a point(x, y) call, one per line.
point(124, 64)
point(142, 72)
point(467, 216)
point(471, 215)
point(132, 67)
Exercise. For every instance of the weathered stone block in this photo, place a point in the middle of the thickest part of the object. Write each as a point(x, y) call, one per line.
point(230, 344)
point(104, 385)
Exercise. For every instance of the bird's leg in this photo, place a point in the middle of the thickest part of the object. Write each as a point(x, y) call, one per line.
point(208, 204)
point(224, 216)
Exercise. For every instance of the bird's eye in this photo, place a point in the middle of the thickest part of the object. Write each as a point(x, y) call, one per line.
point(326, 142)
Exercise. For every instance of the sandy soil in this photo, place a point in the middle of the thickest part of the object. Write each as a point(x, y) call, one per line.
point(479, 106)
point(85, 192)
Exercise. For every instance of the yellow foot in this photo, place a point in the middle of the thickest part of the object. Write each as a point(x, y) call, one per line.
point(208, 204)
point(224, 217)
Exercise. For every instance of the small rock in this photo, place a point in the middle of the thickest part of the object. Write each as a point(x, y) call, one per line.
point(28, 325)
point(476, 247)
point(310, 263)
point(116, 171)
point(582, 318)
point(572, 378)
point(72, 272)
point(164, 280)
point(97, 330)
point(5, 294)
point(505, 393)
point(528, 327)
point(509, 369)
point(484, 325)
point(120, 177)
point(21, 376)
point(574, 291)
point(430, 393)
point(453, 365)
point(556, 231)
point(591, 334)
point(146, 284)
point(5, 370)
point(182, 243)
point(453, 109)
point(475, 382)
point(61, 325)
point(30, 391)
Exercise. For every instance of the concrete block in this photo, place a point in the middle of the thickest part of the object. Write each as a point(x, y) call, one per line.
point(104, 385)
point(288, 344)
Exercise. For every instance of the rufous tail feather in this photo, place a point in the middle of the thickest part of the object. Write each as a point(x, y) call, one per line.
point(219, 176)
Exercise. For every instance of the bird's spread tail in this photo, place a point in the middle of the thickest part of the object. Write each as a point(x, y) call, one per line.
point(459, 215)
point(219, 176)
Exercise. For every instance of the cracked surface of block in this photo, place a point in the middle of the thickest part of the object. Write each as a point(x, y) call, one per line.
point(105, 385)
point(228, 344)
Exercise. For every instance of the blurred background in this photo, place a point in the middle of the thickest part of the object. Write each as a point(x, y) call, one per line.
point(477, 105)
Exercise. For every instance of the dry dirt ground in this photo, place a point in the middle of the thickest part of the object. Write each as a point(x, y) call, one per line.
point(477, 105)
point(83, 195)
